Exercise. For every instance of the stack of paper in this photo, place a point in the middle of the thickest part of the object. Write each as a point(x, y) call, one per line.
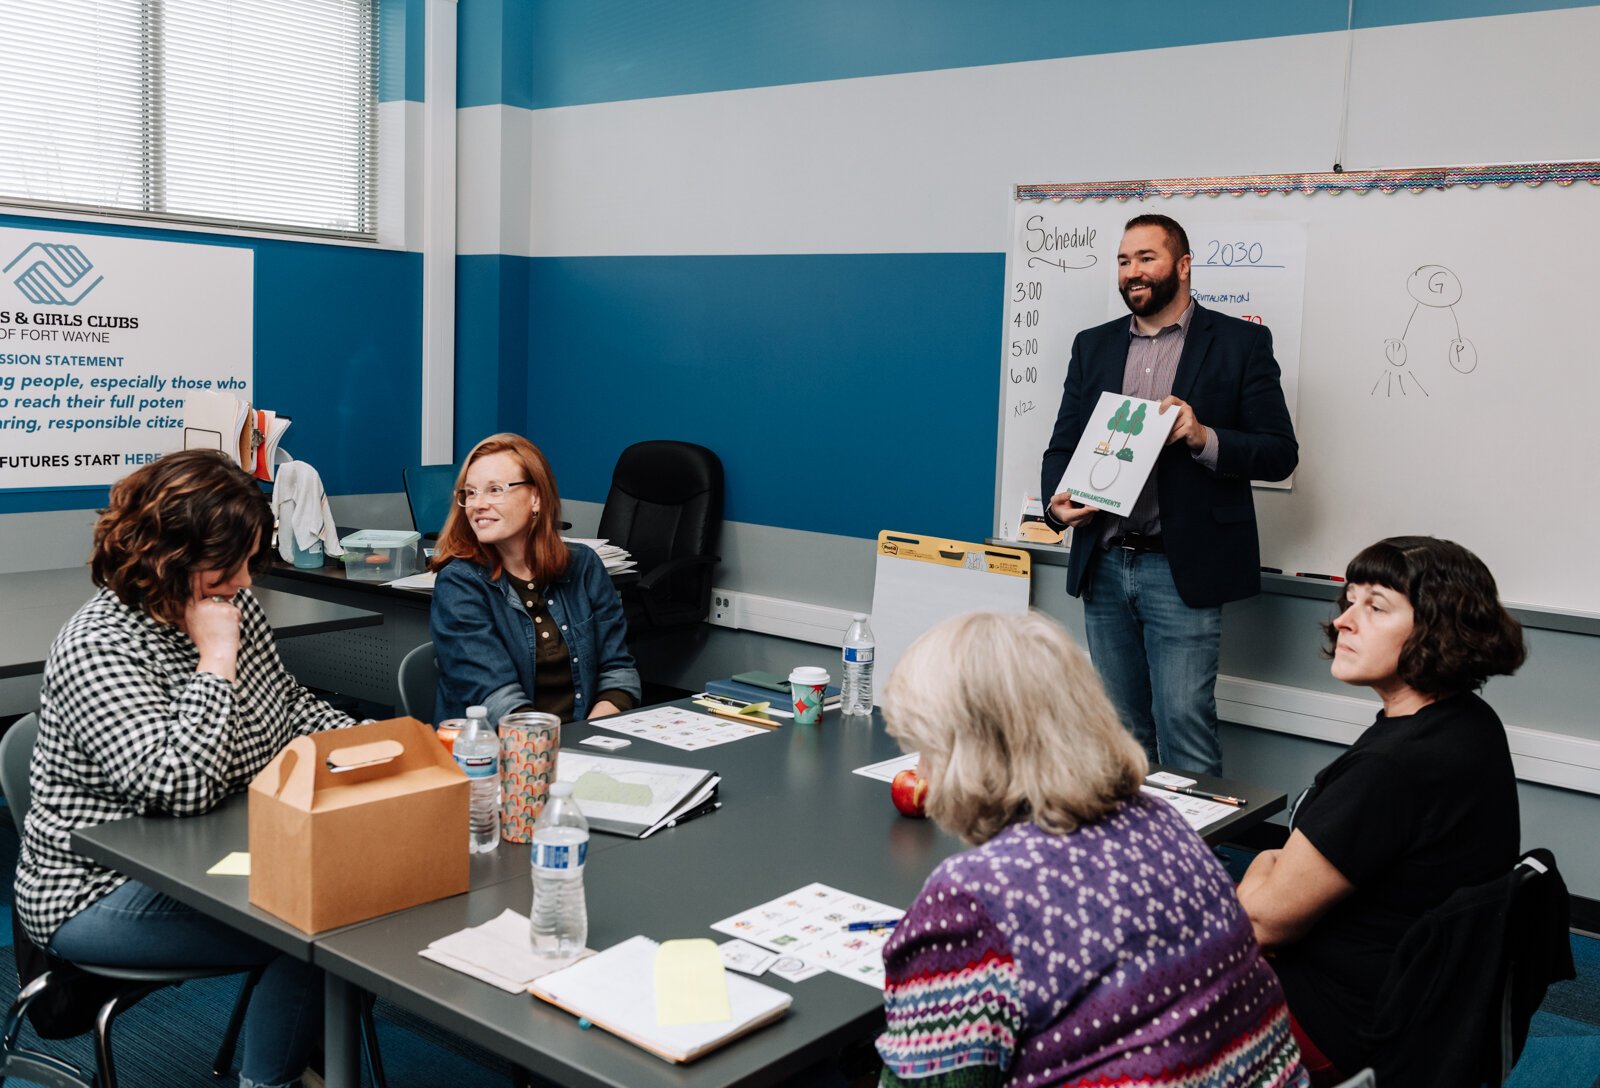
point(617, 559)
point(499, 952)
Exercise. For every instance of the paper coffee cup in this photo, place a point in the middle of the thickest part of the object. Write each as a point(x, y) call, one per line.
point(809, 686)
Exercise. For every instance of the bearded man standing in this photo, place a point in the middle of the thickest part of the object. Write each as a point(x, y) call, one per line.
point(1154, 581)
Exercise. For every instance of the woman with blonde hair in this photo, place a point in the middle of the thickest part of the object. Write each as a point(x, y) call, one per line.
point(1089, 936)
point(520, 620)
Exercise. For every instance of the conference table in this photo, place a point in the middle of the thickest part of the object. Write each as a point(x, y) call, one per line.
point(37, 603)
point(792, 813)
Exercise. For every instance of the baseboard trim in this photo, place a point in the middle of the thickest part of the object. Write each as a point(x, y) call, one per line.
point(1549, 759)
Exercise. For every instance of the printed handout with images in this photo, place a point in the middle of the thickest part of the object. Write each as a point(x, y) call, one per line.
point(1118, 449)
point(1197, 812)
point(808, 925)
point(678, 728)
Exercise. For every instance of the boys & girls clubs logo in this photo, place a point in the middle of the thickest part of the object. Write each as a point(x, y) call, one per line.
point(52, 274)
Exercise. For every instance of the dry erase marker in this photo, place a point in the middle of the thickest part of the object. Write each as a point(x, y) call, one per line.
point(861, 927)
point(1323, 577)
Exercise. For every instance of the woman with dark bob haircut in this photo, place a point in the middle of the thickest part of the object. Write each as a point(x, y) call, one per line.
point(1424, 803)
point(164, 694)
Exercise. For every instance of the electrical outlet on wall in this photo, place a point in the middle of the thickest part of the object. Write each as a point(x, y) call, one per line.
point(724, 608)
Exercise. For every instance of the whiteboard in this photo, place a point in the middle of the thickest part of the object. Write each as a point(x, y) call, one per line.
point(1447, 364)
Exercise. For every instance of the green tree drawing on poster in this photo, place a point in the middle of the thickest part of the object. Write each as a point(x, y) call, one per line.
point(1126, 423)
point(1132, 427)
point(1119, 421)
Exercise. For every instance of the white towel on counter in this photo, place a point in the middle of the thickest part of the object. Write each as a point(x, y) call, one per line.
point(301, 507)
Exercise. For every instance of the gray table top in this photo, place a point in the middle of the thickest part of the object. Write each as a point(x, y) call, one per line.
point(792, 813)
point(37, 603)
point(172, 856)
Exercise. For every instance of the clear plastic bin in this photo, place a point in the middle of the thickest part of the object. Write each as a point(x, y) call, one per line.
point(380, 555)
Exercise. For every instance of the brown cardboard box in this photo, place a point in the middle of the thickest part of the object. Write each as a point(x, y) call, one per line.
point(387, 831)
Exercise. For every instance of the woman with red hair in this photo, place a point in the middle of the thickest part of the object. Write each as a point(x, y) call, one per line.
point(521, 620)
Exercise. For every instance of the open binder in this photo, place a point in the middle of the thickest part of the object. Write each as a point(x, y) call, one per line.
point(631, 797)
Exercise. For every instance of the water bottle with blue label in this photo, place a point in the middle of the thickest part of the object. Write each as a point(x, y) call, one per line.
point(859, 649)
point(477, 752)
point(560, 915)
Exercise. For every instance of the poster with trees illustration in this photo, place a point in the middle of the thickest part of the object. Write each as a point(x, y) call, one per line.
point(1118, 449)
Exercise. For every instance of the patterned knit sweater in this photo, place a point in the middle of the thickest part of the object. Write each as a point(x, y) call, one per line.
point(1113, 955)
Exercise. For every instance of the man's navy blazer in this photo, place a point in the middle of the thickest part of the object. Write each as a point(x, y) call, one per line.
point(1228, 375)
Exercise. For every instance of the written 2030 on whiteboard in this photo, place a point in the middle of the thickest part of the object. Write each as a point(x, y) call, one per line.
point(1061, 278)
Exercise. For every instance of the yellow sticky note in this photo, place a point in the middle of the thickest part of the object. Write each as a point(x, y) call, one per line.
point(235, 864)
point(691, 985)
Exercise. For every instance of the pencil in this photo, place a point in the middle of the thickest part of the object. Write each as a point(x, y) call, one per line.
point(735, 716)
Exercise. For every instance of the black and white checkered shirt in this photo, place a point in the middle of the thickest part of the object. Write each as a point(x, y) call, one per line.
point(128, 727)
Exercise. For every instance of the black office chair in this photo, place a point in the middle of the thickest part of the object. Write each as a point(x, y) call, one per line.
point(117, 987)
point(1466, 979)
point(665, 507)
point(418, 682)
point(430, 492)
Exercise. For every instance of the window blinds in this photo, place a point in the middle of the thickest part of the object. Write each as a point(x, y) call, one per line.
point(241, 113)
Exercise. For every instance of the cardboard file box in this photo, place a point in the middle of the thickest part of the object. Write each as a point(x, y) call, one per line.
point(352, 823)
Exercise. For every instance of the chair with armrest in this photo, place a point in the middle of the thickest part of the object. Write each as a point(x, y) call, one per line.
point(430, 492)
point(418, 681)
point(665, 507)
point(1474, 969)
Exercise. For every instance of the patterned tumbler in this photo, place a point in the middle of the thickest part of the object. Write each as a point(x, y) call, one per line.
point(529, 744)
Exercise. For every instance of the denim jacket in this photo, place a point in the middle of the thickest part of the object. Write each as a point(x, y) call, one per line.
point(484, 640)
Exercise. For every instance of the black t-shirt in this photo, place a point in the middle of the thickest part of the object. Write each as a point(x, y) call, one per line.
point(1418, 807)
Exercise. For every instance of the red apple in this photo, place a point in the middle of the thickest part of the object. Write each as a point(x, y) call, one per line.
point(909, 792)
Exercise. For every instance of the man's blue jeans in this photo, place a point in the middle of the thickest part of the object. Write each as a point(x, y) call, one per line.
point(136, 926)
point(1157, 656)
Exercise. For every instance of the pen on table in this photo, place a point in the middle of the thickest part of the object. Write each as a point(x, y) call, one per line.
point(1209, 796)
point(692, 813)
point(861, 927)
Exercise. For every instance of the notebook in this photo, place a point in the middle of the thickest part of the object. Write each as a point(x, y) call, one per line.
point(606, 990)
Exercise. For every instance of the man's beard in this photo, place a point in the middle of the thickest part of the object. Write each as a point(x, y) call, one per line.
point(1162, 291)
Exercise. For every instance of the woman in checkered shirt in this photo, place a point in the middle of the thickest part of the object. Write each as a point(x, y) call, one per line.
point(165, 694)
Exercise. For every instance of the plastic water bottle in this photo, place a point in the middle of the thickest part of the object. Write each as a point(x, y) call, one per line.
point(859, 649)
point(560, 915)
point(477, 752)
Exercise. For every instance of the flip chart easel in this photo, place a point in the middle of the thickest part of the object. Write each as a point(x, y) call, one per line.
point(922, 581)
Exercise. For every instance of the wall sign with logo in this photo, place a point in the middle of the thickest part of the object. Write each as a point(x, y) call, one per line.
point(101, 339)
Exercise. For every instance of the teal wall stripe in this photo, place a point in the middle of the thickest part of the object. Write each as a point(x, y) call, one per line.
point(492, 295)
point(543, 53)
point(401, 38)
point(495, 52)
point(845, 393)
